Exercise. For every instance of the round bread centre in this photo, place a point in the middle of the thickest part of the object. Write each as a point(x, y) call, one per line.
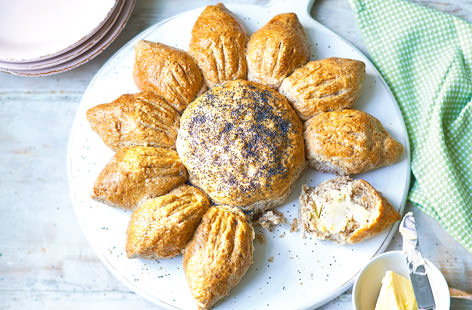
point(242, 143)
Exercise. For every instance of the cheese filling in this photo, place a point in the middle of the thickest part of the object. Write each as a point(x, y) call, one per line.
point(338, 211)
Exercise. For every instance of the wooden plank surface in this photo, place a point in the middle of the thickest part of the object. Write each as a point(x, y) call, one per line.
point(45, 261)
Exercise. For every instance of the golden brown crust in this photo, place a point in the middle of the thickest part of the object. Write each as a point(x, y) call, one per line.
point(349, 142)
point(275, 50)
point(138, 173)
point(135, 119)
point(325, 85)
point(161, 227)
point(168, 72)
point(219, 254)
point(382, 214)
point(242, 144)
point(387, 215)
point(218, 45)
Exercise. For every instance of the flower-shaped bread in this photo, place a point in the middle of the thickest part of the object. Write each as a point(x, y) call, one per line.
point(241, 141)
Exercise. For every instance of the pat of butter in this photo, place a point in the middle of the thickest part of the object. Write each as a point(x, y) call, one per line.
point(396, 293)
point(341, 210)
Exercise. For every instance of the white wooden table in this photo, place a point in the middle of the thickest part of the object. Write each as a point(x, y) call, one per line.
point(45, 261)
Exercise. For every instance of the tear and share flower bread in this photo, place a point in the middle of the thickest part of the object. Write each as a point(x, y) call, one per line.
point(168, 72)
point(349, 142)
point(138, 173)
point(161, 227)
point(275, 50)
point(218, 44)
point(135, 119)
point(325, 85)
point(345, 210)
point(242, 144)
point(219, 254)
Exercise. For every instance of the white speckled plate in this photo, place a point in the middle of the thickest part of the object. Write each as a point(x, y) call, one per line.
point(289, 272)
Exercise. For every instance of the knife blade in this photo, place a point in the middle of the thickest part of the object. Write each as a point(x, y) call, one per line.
point(416, 265)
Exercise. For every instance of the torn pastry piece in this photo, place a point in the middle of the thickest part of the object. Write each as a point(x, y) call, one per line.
point(135, 119)
point(218, 44)
point(325, 85)
point(294, 225)
point(345, 210)
point(219, 254)
point(161, 227)
point(275, 50)
point(349, 142)
point(138, 173)
point(168, 72)
point(271, 218)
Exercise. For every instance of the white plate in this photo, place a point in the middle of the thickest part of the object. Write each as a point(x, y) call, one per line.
point(70, 53)
point(289, 272)
point(33, 30)
point(95, 46)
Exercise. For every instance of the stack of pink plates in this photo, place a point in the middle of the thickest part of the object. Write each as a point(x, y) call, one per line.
point(51, 36)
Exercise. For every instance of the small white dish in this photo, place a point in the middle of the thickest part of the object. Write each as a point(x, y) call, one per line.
point(369, 281)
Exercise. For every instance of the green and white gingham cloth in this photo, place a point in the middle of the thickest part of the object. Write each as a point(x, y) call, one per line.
point(426, 58)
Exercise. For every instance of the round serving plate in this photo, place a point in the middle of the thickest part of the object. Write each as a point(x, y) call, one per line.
point(36, 30)
point(87, 55)
point(69, 54)
point(289, 271)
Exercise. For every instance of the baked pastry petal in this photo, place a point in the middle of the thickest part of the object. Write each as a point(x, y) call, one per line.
point(345, 210)
point(135, 119)
point(325, 85)
point(275, 50)
point(218, 44)
point(349, 142)
point(168, 72)
point(242, 144)
point(219, 254)
point(138, 173)
point(161, 227)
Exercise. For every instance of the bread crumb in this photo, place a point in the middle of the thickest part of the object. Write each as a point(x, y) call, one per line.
point(282, 235)
point(294, 226)
point(271, 259)
point(260, 237)
point(270, 219)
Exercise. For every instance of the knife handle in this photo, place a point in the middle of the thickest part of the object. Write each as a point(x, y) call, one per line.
point(454, 292)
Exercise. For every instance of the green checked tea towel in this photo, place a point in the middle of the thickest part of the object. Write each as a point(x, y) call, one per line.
point(426, 58)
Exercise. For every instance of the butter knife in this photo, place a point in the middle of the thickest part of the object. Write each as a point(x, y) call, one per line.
point(416, 265)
